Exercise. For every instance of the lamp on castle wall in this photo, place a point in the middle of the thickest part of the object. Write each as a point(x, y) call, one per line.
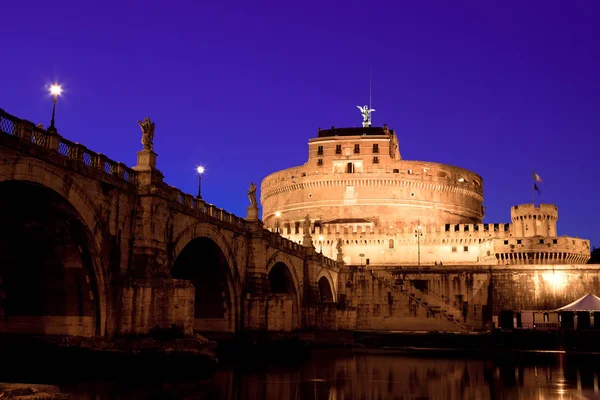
point(277, 216)
point(418, 235)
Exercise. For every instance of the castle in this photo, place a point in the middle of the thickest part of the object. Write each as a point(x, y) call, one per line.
point(388, 211)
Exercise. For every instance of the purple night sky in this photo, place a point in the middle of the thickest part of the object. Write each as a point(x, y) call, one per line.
point(241, 87)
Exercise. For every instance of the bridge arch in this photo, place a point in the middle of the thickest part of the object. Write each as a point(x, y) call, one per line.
point(55, 253)
point(326, 286)
point(203, 256)
point(284, 281)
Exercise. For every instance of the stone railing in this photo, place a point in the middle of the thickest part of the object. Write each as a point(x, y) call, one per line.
point(27, 131)
point(278, 241)
point(193, 203)
point(328, 262)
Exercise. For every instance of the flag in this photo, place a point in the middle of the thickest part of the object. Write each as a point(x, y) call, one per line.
point(535, 187)
point(536, 177)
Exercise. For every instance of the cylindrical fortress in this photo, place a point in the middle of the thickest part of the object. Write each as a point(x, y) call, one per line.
point(357, 175)
point(529, 220)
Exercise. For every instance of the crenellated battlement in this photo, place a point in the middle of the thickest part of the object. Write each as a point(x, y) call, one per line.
point(541, 250)
point(529, 220)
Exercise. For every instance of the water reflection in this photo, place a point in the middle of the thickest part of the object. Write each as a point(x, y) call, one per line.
point(329, 375)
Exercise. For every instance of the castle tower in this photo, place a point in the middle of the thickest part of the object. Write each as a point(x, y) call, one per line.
point(529, 220)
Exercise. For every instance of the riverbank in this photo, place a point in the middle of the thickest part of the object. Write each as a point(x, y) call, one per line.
point(290, 346)
point(135, 357)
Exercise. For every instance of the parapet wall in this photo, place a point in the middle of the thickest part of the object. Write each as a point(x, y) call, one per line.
point(541, 250)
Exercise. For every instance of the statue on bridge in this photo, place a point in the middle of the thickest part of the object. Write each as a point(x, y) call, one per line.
point(252, 195)
point(338, 245)
point(147, 133)
point(340, 254)
point(306, 225)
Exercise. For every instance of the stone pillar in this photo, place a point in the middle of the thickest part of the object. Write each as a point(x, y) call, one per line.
point(150, 299)
point(256, 290)
point(252, 213)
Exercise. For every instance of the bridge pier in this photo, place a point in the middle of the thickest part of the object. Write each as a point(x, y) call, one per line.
point(149, 305)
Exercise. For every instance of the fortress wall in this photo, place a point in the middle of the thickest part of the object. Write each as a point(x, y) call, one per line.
point(473, 294)
point(542, 287)
point(379, 306)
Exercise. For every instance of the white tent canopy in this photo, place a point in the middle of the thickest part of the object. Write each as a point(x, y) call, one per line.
point(589, 302)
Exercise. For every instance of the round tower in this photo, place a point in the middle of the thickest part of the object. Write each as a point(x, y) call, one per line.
point(357, 176)
point(529, 220)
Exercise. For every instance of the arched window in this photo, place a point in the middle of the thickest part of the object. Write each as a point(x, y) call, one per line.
point(391, 244)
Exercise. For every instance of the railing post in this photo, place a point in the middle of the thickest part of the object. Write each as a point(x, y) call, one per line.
point(121, 170)
point(78, 151)
point(25, 129)
point(100, 161)
point(53, 141)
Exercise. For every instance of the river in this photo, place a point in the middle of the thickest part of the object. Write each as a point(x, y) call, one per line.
point(342, 374)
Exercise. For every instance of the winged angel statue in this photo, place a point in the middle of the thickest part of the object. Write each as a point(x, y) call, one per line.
point(366, 114)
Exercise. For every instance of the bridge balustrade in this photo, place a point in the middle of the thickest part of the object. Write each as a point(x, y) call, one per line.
point(26, 131)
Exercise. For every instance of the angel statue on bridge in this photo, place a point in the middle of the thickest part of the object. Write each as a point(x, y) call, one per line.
point(252, 194)
point(338, 245)
point(147, 133)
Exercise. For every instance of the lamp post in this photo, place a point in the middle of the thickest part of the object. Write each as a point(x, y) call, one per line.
point(321, 242)
point(200, 171)
point(277, 216)
point(55, 91)
point(418, 235)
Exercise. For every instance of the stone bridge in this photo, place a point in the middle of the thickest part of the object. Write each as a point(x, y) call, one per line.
point(89, 246)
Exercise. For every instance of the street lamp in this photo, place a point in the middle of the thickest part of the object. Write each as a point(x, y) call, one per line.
point(321, 242)
point(418, 235)
point(55, 91)
point(200, 171)
point(277, 216)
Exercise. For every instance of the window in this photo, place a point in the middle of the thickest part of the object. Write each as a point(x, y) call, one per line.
point(375, 160)
point(375, 148)
point(506, 242)
point(320, 150)
point(541, 241)
point(466, 248)
point(357, 149)
point(554, 241)
point(454, 249)
point(338, 149)
point(349, 168)
point(519, 241)
point(320, 161)
point(391, 244)
point(396, 171)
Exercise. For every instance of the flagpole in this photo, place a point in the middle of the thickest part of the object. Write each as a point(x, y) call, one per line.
point(533, 192)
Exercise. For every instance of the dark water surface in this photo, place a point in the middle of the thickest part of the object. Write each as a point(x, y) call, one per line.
point(336, 374)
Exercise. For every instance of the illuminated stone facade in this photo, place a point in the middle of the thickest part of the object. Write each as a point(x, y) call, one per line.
point(388, 211)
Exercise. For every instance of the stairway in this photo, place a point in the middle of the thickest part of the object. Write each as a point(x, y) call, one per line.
point(436, 304)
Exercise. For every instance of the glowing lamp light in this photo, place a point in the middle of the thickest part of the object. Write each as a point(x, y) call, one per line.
point(55, 89)
point(200, 171)
point(278, 214)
